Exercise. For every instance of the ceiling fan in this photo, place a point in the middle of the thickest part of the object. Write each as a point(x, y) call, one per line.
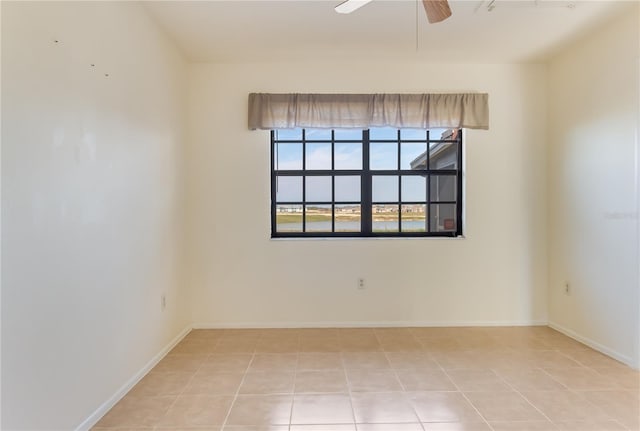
point(437, 10)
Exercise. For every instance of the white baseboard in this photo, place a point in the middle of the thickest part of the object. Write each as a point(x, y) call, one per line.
point(594, 345)
point(107, 405)
point(365, 324)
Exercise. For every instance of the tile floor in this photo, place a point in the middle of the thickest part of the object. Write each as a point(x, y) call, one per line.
point(387, 379)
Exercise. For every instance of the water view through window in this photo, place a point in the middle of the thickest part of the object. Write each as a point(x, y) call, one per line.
point(376, 182)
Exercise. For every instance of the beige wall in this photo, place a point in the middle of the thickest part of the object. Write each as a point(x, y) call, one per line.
point(496, 275)
point(593, 189)
point(91, 206)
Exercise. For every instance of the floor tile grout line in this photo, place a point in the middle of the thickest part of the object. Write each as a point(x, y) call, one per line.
point(552, 378)
point(579, 393)
point(182, 391)
point(422, 347)
point(622, 425)
point(346, 378)
point(404, 390)
point(235, 397)
point(465, 396)
point(529, 402)
point(293, 390)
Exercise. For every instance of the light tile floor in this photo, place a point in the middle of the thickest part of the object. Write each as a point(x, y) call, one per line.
point(386, 379)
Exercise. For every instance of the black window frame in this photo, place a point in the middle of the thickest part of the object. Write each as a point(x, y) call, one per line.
point(366, 199)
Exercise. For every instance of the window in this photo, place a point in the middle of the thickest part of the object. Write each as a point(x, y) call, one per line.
point(380, 182)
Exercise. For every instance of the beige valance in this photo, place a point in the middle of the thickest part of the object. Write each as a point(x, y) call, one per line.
point(424, 111)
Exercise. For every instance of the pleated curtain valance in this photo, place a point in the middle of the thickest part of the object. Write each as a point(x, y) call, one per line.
point(361, 111)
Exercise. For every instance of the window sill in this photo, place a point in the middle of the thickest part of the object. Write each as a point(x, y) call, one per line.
point(373, 238)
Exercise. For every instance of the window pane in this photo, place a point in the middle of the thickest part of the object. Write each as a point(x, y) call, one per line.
point(348, 156)
point(443, 218)
point(288, 157)
point(443, 156)
point(385, 188)
point(414, 188)
point(413, 155)
point(289, 218)
point(288, 189)
point(383, 134)
point(289, 135)
point(318, 218)
point(383, 156)
point(318, 135)
point(348, 218)
point(438, 134)
point(347, 189)
point(414, 218)
point(348, 134)
point(318, 156)
point(443, 188)
point(413, 135)
point(318, 189)
point(385, 218)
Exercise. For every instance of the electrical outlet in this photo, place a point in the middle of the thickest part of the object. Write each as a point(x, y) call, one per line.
point(361, 283)
point(567, 288)
point(163, 302)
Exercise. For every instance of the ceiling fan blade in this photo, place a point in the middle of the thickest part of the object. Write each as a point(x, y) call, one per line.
point(349, 6)
point(437, 10)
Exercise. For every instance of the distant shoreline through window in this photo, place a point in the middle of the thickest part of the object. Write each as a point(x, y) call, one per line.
point(378, 182)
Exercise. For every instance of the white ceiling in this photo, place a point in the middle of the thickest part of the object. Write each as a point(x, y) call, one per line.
point(240, 31)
